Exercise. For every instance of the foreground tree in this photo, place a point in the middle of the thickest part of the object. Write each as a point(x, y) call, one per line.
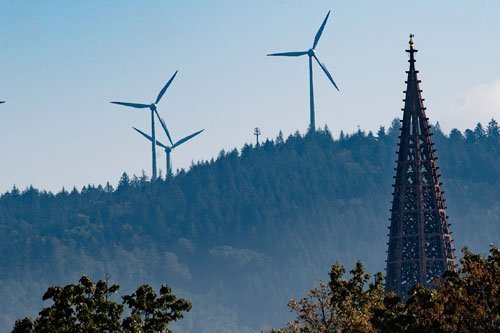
point(86, 307)
point(151, 313)
point(339, 306)
point(463, 301)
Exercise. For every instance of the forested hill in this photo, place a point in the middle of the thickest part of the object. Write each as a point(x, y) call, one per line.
point(241, 234)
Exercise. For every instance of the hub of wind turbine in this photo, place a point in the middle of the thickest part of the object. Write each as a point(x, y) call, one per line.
point(168, 148)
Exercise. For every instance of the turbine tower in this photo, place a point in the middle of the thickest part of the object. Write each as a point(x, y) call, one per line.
point(311, 53)
point(420, 243)
point(154, 110)
point(168, 149)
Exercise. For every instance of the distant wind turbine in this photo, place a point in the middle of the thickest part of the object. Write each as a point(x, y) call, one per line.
point(312, 54)
point(168, 149)
point(153, 109)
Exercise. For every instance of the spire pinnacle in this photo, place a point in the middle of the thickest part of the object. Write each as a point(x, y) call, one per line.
point(411, 42)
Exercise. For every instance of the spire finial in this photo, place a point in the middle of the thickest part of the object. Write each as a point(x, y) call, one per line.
point(411, 42)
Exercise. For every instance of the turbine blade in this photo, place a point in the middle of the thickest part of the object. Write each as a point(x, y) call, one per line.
point(164, 126)
point(160, 95)
point(287, 54)
point(143, 134)
point(1, 102)
point(323, 67)
point(320, 31)
point(158, 143)
point(181, 141)
point(134, 105)
point(149, 138)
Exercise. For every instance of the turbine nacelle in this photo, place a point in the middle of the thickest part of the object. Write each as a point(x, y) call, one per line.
point(311, 52)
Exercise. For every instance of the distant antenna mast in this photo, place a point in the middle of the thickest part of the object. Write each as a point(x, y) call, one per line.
point(256, 132)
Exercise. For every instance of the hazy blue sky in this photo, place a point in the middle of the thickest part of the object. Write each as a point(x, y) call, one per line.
point(61, 62)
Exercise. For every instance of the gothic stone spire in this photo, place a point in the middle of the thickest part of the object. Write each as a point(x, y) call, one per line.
point(420, 244)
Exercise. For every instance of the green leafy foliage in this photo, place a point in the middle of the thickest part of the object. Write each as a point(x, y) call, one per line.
point(151, 313)
point(86, 307)
point(339, 306)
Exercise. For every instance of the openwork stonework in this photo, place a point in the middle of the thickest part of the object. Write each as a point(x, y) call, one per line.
point(420, 244)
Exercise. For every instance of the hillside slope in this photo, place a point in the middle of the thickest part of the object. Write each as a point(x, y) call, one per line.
point(243, 233)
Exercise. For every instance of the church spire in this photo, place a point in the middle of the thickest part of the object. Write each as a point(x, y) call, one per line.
point(420, 244)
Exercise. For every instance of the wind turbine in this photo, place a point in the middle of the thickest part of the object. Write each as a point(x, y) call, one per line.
point(312, 54)
point(154, 110)
point(168, 149)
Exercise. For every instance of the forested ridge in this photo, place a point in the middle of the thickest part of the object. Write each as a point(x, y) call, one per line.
point(241, 234)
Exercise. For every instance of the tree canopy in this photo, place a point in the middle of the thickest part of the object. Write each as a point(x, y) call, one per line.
point(87, 307)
